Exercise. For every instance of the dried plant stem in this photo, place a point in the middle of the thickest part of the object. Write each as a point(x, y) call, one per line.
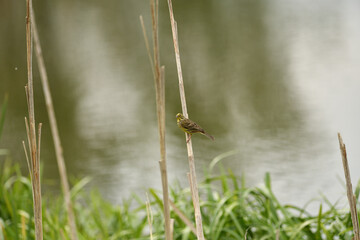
point(149, 216)
point(54, 129)
point(34, 149)
point(147, 45)
point(172, 221)
point(162, 162)
point(350, 194)
point(23, 226)
point(193, 181)
point(183, 217)
point(159, 78)
point(177, 58)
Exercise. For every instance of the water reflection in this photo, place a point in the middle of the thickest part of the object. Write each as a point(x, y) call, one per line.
point(273, 81)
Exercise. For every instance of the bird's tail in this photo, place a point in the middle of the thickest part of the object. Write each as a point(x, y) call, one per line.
point(208, 135)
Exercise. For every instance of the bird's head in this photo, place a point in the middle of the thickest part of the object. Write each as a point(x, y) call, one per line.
point(179, 116)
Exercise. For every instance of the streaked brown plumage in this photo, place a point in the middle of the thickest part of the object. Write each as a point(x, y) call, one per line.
point(190, 126)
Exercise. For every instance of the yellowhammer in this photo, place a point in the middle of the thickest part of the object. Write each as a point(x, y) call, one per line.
point(190, 126)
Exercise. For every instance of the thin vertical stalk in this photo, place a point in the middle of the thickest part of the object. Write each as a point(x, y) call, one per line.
point(162, 162)
point(54, 129)
point(182, 216)
point(34, 155)
point(193, 181)
point(154, 16)
point(350, 194)
point(149, 216)
point(159, 78)
point(147, 45)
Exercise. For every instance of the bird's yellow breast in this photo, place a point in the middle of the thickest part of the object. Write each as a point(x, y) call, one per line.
point(178, 121)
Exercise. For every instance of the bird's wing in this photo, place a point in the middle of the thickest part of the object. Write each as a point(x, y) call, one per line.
point(191, 126)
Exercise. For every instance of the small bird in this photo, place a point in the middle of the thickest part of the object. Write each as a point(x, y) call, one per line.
point(190, 126)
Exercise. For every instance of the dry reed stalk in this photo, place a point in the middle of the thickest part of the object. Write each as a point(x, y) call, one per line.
point(149, 215)
point(147, 46)
point(277, 234)
point(350, 194)
point(172, 221)
point(183, 217)
point(31, 130)
point(193, 181)
point(54, 129)
point(24, 215)
point(159, 78)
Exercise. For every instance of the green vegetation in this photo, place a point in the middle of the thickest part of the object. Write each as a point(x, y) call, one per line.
point(230, 211)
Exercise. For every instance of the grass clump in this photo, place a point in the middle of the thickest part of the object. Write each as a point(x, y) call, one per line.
point(229, 210)
point(95, 217)
point(255, 213)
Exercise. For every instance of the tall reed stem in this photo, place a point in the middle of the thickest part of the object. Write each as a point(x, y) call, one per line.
point(159, 78)
point(193, 181)
point(350, 194)
point(31, 131)
point(54, 129)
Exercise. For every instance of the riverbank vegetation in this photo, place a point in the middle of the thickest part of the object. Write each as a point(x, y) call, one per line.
point(221, 206)
point(230, 210)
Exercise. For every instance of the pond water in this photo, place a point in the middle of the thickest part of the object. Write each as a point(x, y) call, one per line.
point(273, 81)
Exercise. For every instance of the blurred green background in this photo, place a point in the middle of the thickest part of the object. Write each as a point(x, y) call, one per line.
point(273, 80)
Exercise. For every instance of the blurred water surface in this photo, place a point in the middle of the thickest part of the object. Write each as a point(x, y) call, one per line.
point(273, 81)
